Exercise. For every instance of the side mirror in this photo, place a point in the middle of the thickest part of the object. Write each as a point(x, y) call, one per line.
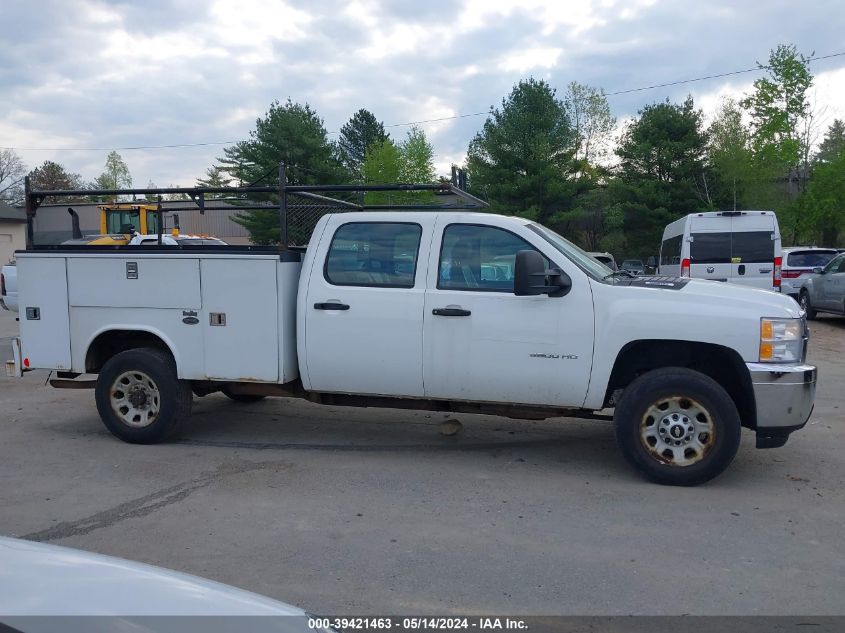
point(818, 270)
point(530, 277)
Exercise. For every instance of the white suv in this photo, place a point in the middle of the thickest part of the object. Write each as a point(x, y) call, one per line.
point(798, 264)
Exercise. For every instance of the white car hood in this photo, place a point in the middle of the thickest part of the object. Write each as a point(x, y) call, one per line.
point(46, 580)
point(771, 304)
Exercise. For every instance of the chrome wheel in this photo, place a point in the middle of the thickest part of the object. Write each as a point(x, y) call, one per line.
point(677, 431)
point(135, 399)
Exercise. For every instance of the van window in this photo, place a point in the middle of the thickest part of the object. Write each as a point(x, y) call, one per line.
point(809, 259)
point(670, 250)
point(710, 248)
point(753, 247)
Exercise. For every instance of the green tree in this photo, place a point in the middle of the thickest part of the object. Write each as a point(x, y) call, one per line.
point(833, 143)
point(522, 159)
point(115, 175)
point(356, 136)
point(291, 133)
point(820, 210)
point(411, 161)
point(12, 172)
point(381, 165)
point(666, 143)
point(54, 176)
point(595, 222)
point(780, 114)
point(661, 172)
point(729, 157)
point(416, 158)
point(215, 176)
point(592, 122)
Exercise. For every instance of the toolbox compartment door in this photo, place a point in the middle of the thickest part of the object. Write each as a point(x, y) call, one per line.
point(130, 281)
point(240, 319)
point(44, 320)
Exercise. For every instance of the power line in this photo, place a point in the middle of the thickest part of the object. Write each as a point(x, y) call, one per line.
point(728, 74)
point(392, 125)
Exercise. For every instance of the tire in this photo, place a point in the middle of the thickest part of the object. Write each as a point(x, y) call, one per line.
point(804, 302)
point(677, 427)
point(139, 397)
point(241, 397)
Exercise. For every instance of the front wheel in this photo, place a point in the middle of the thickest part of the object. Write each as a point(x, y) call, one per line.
point(677, 426)
point(804, 301)
point(139, 397)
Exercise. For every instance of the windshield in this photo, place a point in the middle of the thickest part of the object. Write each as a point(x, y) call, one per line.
point(590, 265)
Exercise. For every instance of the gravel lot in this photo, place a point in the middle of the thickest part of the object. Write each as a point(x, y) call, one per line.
point(351, 511)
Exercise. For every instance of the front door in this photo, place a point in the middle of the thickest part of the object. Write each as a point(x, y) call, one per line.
point(363, 308)
point(481, 342)
point(833, 285)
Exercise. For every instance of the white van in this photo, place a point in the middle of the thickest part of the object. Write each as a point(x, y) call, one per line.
point(742, 247)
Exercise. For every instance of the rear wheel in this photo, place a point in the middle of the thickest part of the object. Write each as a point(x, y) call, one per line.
point(677, 426)
point(804, 301)
point(139, 397)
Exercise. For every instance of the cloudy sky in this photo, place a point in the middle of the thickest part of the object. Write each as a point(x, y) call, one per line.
point(83, 74)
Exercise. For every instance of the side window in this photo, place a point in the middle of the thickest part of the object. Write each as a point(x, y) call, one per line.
point(834, 264)
point(474, 257)
point(839, 265)
point(381, 254)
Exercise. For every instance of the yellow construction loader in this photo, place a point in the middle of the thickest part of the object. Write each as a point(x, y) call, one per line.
point(119, 221)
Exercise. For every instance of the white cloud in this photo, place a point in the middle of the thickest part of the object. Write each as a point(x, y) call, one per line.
point(525, 60)
point(90, 73)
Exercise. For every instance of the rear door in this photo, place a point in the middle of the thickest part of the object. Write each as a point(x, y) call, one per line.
point(363, 311)
point(710, 248)
point(753, 246)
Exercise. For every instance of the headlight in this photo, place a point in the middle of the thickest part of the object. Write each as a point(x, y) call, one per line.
point(781, 340)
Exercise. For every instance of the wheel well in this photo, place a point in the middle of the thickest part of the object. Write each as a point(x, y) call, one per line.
point(113, 342)
point(720, 363)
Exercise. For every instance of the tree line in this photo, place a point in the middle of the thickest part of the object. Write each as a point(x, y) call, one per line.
point(562, 161)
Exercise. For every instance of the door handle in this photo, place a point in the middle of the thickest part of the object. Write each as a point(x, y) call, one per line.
point(330, 306)
point(450, 312)
point(741, 269)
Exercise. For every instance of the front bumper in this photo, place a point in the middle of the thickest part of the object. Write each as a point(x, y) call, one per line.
point(784, 396)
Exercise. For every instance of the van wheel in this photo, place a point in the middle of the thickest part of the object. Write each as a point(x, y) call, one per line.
point(804, 301)
point(677, 426)
point(139, 397)
point(242, 397)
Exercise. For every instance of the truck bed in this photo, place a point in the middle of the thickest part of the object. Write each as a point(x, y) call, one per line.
point(212, 301)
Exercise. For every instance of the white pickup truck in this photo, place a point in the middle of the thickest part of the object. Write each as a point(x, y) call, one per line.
point(438, 310)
